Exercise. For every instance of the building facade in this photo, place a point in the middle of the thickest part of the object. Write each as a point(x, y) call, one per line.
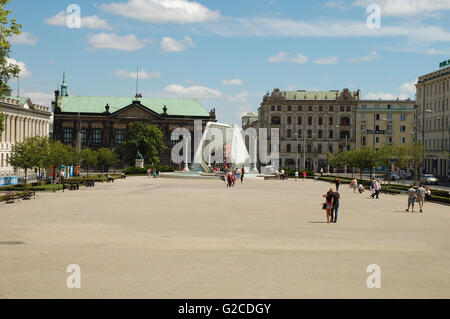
point(103, 121)
point(381, 122)
point(311, 124)
point(432, 94)
point(23, 119)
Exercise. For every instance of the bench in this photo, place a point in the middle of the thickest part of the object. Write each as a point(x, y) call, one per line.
point(90, 183)
point(71, 185)
point(27, 194)
point(109, 179)
point(11, 197)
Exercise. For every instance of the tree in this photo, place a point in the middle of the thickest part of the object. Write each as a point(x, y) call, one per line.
point(416, 151)
point(146, 139)
point(89, 158)
point(106, 158)
point(58, 155)
point(23, 155)
point(8, 27)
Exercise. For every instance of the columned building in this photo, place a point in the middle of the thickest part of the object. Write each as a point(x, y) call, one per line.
point(311, 124)
point(381, 122)
point(23, 119)
point(433, 93)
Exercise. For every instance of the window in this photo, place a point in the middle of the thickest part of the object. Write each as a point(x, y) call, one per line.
point(300, 108)
point(402, 128)
point(289, 120)
point(330, 134)
point(377, 117)
point(276, 120)
point(389, 128)
point(363, 117)
point(288, 133)
point(403, 140)
point(272, 108)
point(331, 108)
point(377, 140)
point(319, 133)
point(83, 136)
point(96, 136)
point(68, 135)
point(363, 128)
point(320, 108)
point(310, 108)
point(309, 120)
point(288, 148)
point(309, 133)
point(389, 139)
point(319, 148)
point(345, 121)
point(342, 108)
point(402, 117)
point(289, 108)
point(320, 120)
point(309, 148)
point(279, 108)
point(119, 137)
point(364, 107)
point(330, 121)
point(299, 120)
point(389, 117)
point(299, 133)
point(349, 108)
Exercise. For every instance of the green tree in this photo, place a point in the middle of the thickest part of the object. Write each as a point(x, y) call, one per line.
point(59, 154)
point(106, 158)
point(8, 27)
point(24, 155)
point(416, 151)
point(146, 139)
point(89, 158)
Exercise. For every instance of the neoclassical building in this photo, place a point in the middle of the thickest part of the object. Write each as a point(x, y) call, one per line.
point(433, 120)
point(311, 123)
point(22, 119)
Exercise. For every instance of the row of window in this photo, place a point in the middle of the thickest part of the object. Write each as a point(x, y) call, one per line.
point(309, 148)
point(433, 89)
point(377, 140)
point(97, 134)
point(320, 134)
point(436, 124)
point(310, 108)
point(402, 128)
point(276, 120)
point(437, 145)
point(436, 106)
point(388, 117)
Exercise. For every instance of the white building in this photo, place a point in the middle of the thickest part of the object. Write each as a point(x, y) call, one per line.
point(22, 119)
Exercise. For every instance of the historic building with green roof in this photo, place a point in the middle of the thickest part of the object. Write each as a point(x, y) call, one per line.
point(102, 121)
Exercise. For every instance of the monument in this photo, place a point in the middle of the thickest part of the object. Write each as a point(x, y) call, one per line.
point(139, 160)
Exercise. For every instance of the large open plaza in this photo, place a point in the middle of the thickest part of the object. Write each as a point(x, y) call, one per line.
point(190, 238)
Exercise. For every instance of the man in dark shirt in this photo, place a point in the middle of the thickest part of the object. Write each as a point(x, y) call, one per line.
point(334, 211)
point(337, 182)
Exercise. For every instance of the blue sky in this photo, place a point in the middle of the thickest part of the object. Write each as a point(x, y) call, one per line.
point(228, 53)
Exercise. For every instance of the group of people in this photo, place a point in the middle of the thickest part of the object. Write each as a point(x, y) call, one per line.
point(360, 188)
point(151, 173)
point(420, 195)
point(234, 175)
point(303, 175)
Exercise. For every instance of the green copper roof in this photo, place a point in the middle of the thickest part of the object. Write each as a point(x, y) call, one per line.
point(22, 100)
point(96, 104)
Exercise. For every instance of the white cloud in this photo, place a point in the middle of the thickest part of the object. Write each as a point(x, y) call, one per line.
point(326, 60)
point(406, 8)
point(240, 97)
point(24, 38)
point(371, 56)
point(90, 22)
point(163, 11)
point(336, 4)
point(171, 45)
point(268, 27)
point(143, 75)
point(113, 41)
point(192, 92)
point(233, 82)
point(24, 72)
point(406, 90)
point(284, 57)
point(41, 98)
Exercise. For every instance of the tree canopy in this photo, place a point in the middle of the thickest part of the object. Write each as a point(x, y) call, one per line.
point(146, 139)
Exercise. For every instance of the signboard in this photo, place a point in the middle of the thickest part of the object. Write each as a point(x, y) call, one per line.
point(443, 64)
point(8, 181)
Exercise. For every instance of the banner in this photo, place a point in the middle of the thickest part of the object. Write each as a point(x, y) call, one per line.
point(8, 181)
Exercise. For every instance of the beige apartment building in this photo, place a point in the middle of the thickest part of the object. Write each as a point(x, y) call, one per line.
point(381, 122)
point(22, 119)
point(311, 124)
point(433, 93)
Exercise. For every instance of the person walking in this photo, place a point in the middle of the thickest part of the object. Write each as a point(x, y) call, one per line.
point(335, 206)
point(242, 175)
point(411, 198)
point(304, 175)
point(296, 175)
point(321, 171)
point(354, 185)
point(376, 189)
point(228, 179)
point(421, 197)
point(328, 204)
point(282, 174)
point(337, 182)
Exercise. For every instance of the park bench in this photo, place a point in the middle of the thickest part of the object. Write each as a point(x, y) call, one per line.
point(109, 179)
point(11, 197)
point(27, 194)
point(71, 185)
point(90, 183)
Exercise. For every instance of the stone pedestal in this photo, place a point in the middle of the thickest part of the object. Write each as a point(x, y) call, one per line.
point(139, 163)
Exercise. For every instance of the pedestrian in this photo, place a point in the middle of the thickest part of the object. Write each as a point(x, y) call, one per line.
point(282, 174)
point(328, 204)
point(335, 206)
point(376, 189)
point(337, 182)
point(304, 175)
point(242, 175)
point(229, 180)
point(149, 172)
point(296, 175)
point(421, 197)
point(361, 188)
point(321, 171)
point(411, 198)
point(354, 185)
point(427, 193)
point(233, 178)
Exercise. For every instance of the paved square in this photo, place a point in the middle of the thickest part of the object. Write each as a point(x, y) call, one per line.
point(172, 238)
